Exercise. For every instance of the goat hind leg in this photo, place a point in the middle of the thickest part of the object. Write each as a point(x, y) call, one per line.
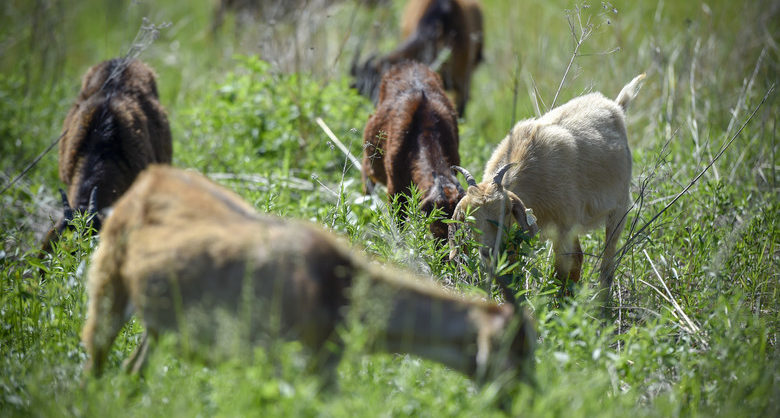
point(615, 223)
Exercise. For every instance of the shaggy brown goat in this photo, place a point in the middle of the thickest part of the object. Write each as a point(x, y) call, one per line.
point(114, 130)
point(431, 28)
point(183, 252)
point(413, 139)
point(572, 167)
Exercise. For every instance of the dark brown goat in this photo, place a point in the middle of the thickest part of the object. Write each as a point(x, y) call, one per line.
point(431, 28)
point(187, 254)
point(114, 130)
point(413, 139)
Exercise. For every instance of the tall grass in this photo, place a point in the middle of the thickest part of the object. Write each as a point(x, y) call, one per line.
point(695, 314)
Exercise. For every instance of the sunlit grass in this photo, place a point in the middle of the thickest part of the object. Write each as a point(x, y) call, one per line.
point(695, 321)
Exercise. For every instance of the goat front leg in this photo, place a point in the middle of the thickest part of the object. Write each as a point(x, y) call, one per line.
point(105, 317)
point(615, 223)
point(568, 261)
point(373, 169)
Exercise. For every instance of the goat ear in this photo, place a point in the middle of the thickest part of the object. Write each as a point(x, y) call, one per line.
point(523, 216)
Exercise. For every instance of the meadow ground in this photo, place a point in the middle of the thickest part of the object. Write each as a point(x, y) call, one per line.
point(695, 304)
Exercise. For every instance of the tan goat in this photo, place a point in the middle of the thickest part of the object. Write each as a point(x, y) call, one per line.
point(572, 167)
point(114, 130)
point(178, 248)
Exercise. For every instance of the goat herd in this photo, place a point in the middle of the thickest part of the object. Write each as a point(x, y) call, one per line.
point(175, 247)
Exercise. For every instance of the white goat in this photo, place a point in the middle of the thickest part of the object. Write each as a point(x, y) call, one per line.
point(572, 167)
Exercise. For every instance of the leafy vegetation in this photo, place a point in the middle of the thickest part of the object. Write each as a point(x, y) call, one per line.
point(695, 317)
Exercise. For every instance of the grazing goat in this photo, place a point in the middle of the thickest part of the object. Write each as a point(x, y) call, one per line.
point(114, 130)
point(431, 28)
point(572, 167)
point(179, 249)
point(413, 139)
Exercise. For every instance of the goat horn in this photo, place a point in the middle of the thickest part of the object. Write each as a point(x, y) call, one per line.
point(66, 209)
point(92, 208)
point(469, 178)
point(500, 173)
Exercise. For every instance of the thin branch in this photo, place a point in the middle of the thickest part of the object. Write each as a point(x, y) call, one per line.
point(565, 73)
point(585, 32)
point(441, 58)
point(264, 183)
point(687, 324)
point(746, 87)
point(147, 34)
point(338, 143)
point(610, 52)
point(348, 34)
point(703, 171)
point(537, 98)
point(32, 164)
point(515, 83)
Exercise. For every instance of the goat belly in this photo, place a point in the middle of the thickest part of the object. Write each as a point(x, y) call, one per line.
point(214, 284)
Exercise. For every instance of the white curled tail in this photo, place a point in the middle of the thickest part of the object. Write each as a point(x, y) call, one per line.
point(629, 91)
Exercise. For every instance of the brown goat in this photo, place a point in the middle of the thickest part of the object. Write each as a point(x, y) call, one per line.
point(181, 250)
point(431, 28)
point(413, 139)
point(114, 130)
point(572, 167)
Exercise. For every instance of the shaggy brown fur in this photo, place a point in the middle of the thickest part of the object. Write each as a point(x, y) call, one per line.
point(181, 251)
point(114, 130)
point(428, 27)
point(413, 139)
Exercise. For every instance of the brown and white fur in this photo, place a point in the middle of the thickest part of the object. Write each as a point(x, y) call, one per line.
point(412, 138)
point(114, 130)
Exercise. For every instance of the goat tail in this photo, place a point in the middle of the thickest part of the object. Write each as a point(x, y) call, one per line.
point(630, 91)
point(416, 104)
point(423, 99)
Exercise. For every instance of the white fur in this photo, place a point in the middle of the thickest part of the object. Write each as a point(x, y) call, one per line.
point(572, 167)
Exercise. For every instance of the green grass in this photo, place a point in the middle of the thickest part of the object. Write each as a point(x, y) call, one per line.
point(696, 298)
